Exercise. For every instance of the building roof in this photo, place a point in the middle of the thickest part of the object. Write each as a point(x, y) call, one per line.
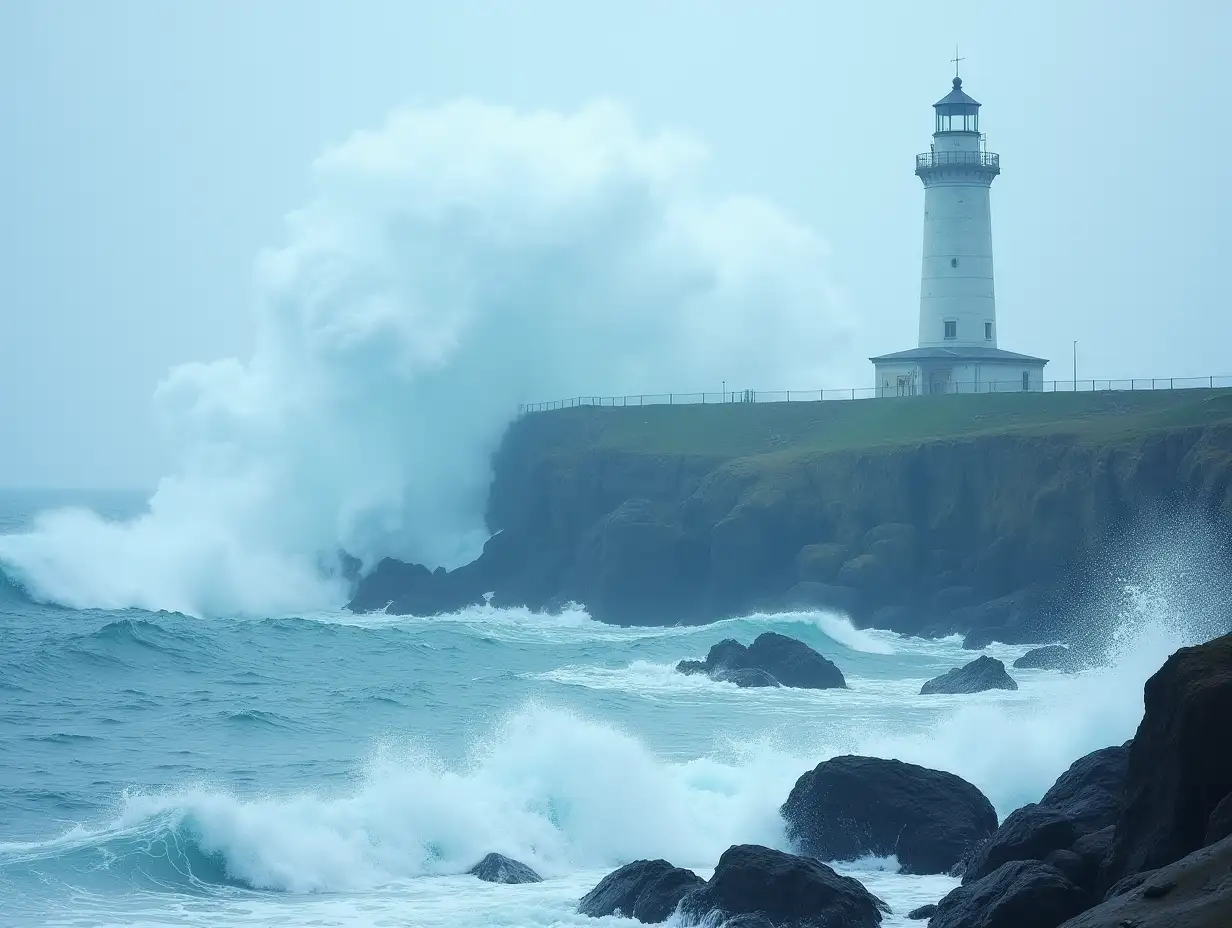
point(957, 353)
point(956, 96)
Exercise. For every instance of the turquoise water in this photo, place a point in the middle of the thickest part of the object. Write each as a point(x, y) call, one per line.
point(329, 769)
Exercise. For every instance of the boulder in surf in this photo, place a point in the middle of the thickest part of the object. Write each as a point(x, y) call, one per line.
point(786, 890)
point(983, 673)
point(497, 868)
point(850, 807)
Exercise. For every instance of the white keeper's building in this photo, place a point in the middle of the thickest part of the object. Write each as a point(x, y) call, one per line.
point(957, 350)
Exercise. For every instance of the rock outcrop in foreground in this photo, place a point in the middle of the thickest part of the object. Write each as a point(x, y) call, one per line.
point(1180, 761)
point(1194, 892)
point(1147, 819)
point(983, 673)
point(785, 890)
point(752, 887)
point(1022, 894)
point(771, 660)
point(646, 890)
point(850, 807)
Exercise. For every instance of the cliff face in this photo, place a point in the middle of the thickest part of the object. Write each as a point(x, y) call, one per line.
point(994, 531)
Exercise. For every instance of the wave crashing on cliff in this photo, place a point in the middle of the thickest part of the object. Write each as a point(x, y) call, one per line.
point(452, 264)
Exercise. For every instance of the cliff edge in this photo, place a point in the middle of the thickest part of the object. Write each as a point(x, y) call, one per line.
point(985, 514)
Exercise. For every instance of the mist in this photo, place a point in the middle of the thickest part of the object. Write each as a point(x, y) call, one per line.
point(452, 263)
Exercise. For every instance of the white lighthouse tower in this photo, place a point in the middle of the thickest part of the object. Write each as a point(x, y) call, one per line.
point(957, 349)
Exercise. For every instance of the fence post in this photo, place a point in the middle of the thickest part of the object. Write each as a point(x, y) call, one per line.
point(670, 399)
point(853, 393)
point(789, 396)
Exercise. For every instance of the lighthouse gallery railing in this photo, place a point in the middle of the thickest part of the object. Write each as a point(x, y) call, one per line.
point(939, 159)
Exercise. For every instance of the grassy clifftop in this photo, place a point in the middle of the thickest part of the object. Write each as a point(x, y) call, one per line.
point(906, 513)
point(734, 430)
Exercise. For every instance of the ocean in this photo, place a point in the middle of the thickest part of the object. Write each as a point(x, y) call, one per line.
point(331, 769)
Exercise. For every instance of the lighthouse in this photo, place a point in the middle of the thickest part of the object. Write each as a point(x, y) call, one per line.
point(957, 349)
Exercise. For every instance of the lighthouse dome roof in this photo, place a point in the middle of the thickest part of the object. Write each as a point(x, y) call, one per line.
point(956, 97)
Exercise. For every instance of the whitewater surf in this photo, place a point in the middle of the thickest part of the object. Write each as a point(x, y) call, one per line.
point(342, 769)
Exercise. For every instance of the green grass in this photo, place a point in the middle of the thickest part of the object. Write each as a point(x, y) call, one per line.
point(740, 430)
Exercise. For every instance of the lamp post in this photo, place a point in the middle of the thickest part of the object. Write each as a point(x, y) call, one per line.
point(724, 391)
point(1075, 365)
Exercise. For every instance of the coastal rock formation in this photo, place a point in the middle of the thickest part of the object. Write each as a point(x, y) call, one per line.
point(1194, 892)
point(923, 912)
point(983, 673)
point(1219, 825)
point(771, 660)
point(1020, 894)
point(497, 868)
point(850, 807)
point(646, 890)
point(783, 889)
point(984, 516)
point(1051, 657)
point(1030, 833)
point(1091, 791)
point(1180, 761)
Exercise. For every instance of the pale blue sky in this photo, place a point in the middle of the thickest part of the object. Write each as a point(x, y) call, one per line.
point(150, 149)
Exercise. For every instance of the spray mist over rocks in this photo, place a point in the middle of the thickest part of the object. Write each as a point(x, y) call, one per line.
point(453, 263)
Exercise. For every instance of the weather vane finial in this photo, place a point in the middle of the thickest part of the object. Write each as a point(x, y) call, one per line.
point(956, 59)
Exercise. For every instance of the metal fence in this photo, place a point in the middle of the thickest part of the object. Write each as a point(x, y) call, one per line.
point(865, 393)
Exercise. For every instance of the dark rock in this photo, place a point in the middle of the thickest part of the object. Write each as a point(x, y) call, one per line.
point(821, 563)
point(865, 572)
point(1093, 850)
point(748, 921)
point(1194, 892)
point(771, 660)
point(787, 890)
point(1030, 833)
point(746, 677)
point(849, 807)
point(631, 565)
point(923, 912)
point(1091, 790)
point(1050, 657)
point(1020, 894)
point(891, 531)
point(497, 868)
point(1180, 761)
point(793, 663)
point(953, 597)
point(1074, 868)
point(411, 589)
point(983, 673)
point(900, 619)
point(1157, 888)
point(1219, 825)
point(979, 638)
point(647, 890)
point(810, 596)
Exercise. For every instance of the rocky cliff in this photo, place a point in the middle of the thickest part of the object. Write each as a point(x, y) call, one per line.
point(984, 514)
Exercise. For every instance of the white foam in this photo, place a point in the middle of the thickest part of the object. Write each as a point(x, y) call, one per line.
point(451, 264)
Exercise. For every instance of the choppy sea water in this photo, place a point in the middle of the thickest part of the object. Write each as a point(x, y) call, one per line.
point(330, 769)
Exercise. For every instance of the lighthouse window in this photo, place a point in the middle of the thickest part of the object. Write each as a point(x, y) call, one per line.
point(988, 330)
point(951, 329)
point(953, 262)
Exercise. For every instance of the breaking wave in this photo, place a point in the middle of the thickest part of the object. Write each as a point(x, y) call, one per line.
point(451, 264)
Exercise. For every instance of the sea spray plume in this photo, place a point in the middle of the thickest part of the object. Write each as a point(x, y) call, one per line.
point(452, 264)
